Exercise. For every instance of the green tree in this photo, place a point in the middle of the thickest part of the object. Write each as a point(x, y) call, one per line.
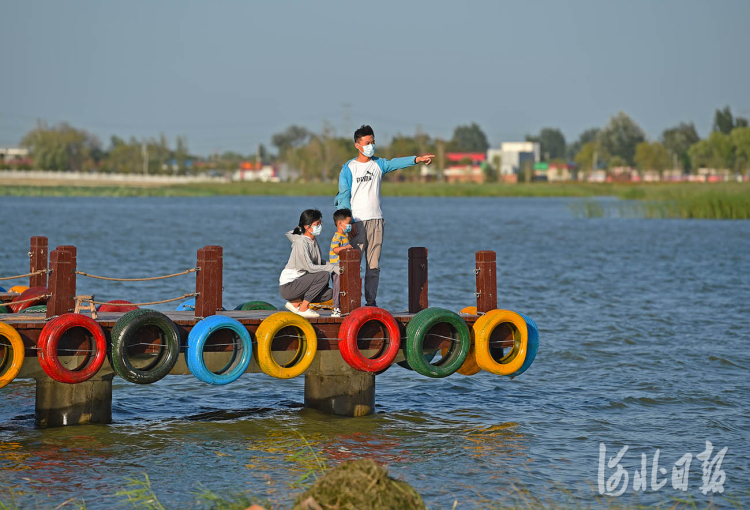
point(617, 161)
point(717, 151)
point(62, 147)
point(620, 137)
point(678, 140)
point(293, 137)
point(590, 135)
point(741, 140)
point(551, 141)
point(588, 158)
point(724, 121)
point(469, 138)
point(652, 156)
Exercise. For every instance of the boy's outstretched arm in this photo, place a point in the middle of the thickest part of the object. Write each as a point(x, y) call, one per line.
point(389, 165)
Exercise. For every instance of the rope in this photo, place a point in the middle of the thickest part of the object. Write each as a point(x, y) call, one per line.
point(37, 298)
point(40, 271)
point(191, 270)
point(141, 304)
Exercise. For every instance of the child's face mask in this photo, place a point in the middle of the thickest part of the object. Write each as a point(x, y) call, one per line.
point(347, 228)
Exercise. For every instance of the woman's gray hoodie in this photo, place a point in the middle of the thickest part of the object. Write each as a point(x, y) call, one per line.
point(306, 257)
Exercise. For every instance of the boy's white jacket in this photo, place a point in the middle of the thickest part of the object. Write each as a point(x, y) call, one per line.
point(306, 257)
point(344, 196)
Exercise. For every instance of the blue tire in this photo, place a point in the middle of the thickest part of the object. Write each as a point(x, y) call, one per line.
point(186, 305)
point(2, 289)
point(197, 341)
point(532, 347)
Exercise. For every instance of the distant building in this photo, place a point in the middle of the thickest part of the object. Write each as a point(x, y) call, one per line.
point(250, 171)
point(513, 156)
point(465, 166)
point(11, 153)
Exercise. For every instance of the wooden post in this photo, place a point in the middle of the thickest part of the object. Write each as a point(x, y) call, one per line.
point(351, 283)
point(486, 272)
point(62, 282)
point(38, 261)
point(209, 281)
point(417, 279)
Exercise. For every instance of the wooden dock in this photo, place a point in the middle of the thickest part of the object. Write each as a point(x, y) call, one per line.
point(330, 384)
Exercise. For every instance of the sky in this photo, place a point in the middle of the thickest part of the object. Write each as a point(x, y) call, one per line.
point(229, 74)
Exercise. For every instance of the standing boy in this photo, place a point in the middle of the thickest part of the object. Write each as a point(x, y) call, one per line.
point(359, 190)
point(342, 218)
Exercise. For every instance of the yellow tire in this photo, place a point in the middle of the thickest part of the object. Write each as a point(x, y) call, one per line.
point(483, 328)
point(308, 345)
point(18, 289)
point(470, 366)
point(11, 362)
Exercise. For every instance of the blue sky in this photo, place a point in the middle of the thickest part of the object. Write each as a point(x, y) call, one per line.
point(229, 74)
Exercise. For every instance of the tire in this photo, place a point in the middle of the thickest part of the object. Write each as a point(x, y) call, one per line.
point(349, 331)
point(483, 328)
point(308, 345)
point(533, 345)
point(256, 305)
point(127, 328)
point(35, 309)
point(2, 289)
point(416, 333)
point(18, 289)
point(426, 357)
point(50, 337)
point(12, 361)
point(470, 366)
point(197, 342)
point(117, 305)
point(188, 304)
point(29, 293)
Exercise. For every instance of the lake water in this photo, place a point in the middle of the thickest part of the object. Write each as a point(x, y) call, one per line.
point(644, 342)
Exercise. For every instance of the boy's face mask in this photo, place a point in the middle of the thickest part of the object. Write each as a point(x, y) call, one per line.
point(347, 228)
point(369, 150)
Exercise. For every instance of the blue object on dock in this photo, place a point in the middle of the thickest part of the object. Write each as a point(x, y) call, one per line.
point(186, 305)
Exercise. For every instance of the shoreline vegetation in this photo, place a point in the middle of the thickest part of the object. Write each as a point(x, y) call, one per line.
point(729, 200)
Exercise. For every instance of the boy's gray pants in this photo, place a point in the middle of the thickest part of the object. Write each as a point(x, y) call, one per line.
point(369, 242)
point(311, 287)
point(336, 278)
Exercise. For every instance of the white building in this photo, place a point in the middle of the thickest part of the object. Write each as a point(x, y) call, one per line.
point(513, 155)
point(11, 153)
point(266, 173)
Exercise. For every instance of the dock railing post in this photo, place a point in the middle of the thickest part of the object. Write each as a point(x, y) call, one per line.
point(351, 283)
point(62, 281)
point(417, 279)
point(209, 281)
point(38, 261)
point(486, 272)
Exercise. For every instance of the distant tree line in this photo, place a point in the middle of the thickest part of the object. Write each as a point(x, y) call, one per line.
point(623, 143)
point(319, 155)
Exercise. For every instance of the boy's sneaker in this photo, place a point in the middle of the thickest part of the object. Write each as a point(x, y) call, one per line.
point(336, 313)
point(371, 304)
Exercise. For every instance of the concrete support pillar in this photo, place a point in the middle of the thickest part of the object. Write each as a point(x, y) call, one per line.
point(333, 387)
point(59, 404)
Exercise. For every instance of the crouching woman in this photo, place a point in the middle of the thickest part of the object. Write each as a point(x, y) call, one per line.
point(304, 280)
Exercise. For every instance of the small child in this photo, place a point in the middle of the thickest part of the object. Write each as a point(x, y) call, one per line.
point(343, 221)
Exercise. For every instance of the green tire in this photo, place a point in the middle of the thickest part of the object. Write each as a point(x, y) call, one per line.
point(35, 309)
point(256, 305)
point(416, 333)
point(126, 328)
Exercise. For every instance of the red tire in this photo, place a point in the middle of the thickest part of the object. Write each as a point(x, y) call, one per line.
point(349, 332)
point(29, 293)
point(50, 337)
point(117, 305)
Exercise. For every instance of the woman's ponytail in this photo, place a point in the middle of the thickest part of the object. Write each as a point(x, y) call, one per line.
point(308, 217)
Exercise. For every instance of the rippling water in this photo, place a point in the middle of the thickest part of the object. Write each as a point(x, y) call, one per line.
point(644, 342)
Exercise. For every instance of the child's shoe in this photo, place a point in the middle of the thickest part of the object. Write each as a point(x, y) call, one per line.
point(336, 313)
